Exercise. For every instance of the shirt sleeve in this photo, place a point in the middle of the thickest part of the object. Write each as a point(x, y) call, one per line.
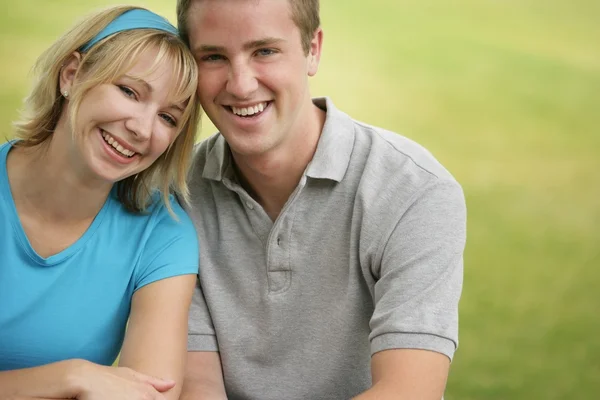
point(171, 249)
point(201, 333)
point(420, 273)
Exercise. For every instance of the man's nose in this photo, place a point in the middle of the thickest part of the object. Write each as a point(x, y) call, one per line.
point(241, 81)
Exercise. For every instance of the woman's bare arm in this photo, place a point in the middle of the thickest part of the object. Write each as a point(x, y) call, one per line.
point(156, 339)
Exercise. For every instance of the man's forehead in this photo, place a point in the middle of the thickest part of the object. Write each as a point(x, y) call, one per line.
point(212, 23)
point(197, 6)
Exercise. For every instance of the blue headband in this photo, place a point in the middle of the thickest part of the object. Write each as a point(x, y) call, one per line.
point(133, 19)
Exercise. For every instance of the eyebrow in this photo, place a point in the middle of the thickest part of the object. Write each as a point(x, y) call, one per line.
point(139, 80)
point(270, 41)
point(150, 89)
point(177, 107)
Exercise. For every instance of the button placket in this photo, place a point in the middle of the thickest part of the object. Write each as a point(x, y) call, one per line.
point(278, 262)
point(278, 268)
point(260, 221)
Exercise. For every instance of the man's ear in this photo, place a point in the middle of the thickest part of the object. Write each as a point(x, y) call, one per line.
point(68, 73)
point(314, 55)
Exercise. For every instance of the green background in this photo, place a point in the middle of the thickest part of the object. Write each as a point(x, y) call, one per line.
point(506, 94)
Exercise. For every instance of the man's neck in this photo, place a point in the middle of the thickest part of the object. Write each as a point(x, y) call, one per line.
point(272, 177)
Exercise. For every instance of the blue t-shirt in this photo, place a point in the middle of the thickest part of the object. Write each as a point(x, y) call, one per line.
point(75, 304)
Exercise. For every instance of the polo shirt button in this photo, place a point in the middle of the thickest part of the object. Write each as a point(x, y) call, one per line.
point(250, 205)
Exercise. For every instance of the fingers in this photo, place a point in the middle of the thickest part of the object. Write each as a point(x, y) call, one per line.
point(161, 385)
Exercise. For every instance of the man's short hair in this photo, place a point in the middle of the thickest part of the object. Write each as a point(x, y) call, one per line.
point(305, 14)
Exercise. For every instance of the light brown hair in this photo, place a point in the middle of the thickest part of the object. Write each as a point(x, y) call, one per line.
point(305, 14)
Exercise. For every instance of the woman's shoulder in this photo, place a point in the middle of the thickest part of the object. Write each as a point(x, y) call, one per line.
point(157, 225)
point(171, 246)
point(171, 213)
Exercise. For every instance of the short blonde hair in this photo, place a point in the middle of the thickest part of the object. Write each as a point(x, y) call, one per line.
point(105, 62)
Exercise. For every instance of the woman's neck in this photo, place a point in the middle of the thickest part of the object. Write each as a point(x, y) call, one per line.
point(45, 182)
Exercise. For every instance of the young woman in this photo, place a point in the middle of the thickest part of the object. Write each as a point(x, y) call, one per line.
point(92, 238)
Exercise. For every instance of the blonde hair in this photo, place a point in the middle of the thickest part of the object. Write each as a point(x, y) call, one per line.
point(105, 62)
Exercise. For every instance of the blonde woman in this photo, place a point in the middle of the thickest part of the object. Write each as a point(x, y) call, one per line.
point(91, 234)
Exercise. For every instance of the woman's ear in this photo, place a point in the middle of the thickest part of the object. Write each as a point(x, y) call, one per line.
point(68, 73)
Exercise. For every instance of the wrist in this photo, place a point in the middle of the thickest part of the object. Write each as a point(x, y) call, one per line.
point(75, 376)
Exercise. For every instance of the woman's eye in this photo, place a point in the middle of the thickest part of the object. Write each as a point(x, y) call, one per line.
point(127, 91)
point(168, 119)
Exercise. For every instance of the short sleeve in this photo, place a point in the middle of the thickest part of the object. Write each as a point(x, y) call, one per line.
point(201, 333)
point(420, 274)
point(171, 249)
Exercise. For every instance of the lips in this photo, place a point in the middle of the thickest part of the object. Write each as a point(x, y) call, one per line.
point(248, 111)
point(117, 146)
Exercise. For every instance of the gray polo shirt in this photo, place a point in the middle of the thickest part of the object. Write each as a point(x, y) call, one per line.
point(366, 255)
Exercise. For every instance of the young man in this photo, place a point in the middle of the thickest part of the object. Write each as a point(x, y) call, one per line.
point(331, 263)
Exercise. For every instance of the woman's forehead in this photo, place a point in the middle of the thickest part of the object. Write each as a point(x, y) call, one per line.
point(162, 72)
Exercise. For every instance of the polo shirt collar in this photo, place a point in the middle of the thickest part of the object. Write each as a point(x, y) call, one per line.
point(331, 158)
point(335, 145)
point(218, 161)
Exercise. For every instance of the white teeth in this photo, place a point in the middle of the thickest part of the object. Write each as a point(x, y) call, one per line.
point(249, 110)
point(111, 141)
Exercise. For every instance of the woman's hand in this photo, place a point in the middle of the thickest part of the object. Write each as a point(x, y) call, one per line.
point(80, 379)
point(97, 382)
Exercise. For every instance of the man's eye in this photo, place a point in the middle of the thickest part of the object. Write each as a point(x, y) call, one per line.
point(127, 91)
point(212, 57)
point(265, 52)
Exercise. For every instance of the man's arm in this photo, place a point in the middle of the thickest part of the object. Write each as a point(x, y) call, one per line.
point(407, 374)
point(203, 377)
point(203, 372)
point(419, 273)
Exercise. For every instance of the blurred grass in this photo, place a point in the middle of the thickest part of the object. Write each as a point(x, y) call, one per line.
point(506, 94)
